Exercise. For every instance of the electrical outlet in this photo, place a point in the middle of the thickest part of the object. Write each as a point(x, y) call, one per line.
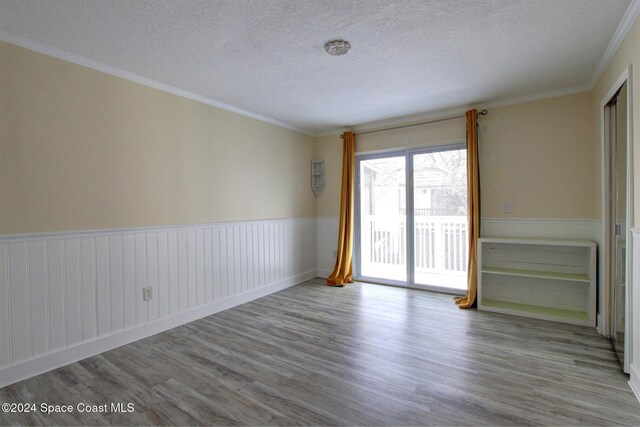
point(147, 293)
point(508, 207)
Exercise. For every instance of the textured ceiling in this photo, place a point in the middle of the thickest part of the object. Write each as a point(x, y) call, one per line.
point(266, 56)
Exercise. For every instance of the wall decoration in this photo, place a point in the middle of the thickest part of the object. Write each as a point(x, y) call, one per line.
point(317, 176)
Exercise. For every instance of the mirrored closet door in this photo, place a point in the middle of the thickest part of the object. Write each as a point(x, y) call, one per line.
point(616, 132)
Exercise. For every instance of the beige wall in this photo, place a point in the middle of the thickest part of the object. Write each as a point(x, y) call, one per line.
point(329, 148)
point(80, 149)
point(412, 137)
point(538, 155)
point(628, 54)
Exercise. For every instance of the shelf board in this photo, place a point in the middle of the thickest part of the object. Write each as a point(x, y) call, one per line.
point(534, 273)
point(537, 241)
point(536, 309)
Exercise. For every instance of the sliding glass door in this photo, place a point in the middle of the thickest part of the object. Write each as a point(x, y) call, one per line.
point(383, 239)
point(440, 218)
point(411, 212)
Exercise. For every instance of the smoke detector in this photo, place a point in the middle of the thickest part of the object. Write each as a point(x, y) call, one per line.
point(337, 47)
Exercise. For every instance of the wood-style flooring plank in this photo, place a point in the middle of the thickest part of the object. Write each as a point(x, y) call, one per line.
point(359, 355)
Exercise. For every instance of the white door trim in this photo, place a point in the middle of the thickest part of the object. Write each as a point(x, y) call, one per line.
point(604, 325)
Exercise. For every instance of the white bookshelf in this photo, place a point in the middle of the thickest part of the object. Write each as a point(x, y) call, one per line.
point(543, 279)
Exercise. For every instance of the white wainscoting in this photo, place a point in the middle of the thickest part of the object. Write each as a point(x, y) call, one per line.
point(634, 316)
point(67, 296)
point(327, 229)
point(581, 229)
point(577, 229)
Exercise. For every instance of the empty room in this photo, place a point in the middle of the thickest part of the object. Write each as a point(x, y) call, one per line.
point(319, 212)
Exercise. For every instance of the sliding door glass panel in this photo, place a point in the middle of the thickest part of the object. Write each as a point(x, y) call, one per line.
point(440, 218)
point(383, 252)
point(618, 137)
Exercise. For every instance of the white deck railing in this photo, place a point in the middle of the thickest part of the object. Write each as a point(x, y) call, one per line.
point(440, 242)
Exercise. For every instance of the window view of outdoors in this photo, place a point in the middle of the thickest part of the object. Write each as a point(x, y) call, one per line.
point(440, 219)
point(383, 219)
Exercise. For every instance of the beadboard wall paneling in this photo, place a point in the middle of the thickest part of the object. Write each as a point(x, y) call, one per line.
point(581, 229)
point(63, 294)
point(327, 231)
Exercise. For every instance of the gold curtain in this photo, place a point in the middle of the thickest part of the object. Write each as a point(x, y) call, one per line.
point(343, 270)
point(473, 210)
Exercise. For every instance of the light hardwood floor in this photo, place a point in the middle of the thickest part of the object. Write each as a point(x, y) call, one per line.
point(363, 354)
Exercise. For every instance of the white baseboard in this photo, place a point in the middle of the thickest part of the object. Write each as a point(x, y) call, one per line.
point(634, 381)
point(323, 273)
point(57, 359)
point(65, 296)
point(599, 326)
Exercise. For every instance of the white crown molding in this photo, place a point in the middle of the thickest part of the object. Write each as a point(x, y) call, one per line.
point(534, 97)
point(396, 121)
point(333, 132)
point(123, 74)
point(453, 112)
point(627, 21)
point(448, 113)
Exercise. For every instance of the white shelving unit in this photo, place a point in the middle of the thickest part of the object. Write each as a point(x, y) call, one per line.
point(543, 279)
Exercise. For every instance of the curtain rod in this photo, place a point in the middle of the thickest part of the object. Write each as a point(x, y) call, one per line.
point(480, 113)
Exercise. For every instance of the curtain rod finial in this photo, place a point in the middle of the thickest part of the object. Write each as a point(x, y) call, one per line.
point(483, 112)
